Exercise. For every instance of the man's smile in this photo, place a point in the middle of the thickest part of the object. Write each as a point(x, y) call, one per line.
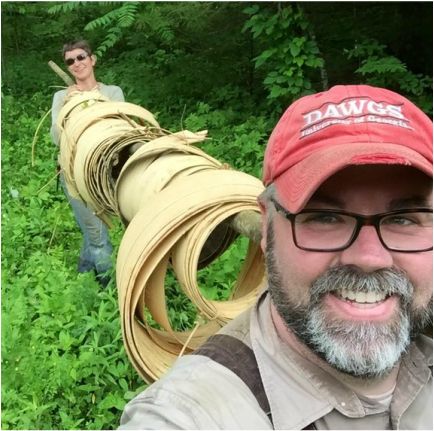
point(362, 306)
point(362, 297)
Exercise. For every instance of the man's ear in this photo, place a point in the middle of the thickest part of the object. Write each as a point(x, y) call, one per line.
point(93, 58)
point(264, 218)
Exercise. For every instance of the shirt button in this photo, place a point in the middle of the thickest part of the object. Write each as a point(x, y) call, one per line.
point(343, 404)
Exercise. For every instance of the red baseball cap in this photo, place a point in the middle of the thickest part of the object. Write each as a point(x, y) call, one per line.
point(323, 133)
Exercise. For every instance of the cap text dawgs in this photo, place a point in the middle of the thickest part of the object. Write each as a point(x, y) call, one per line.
point(353, 111)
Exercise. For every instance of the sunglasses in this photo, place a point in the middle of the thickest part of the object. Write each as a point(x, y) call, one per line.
point(80, 57)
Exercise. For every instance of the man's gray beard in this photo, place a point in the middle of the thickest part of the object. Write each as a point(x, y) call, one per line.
point(357, 348)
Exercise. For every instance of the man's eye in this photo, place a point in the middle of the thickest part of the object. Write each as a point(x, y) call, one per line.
point(321, 218)
point(402, 220)
point(398, 220)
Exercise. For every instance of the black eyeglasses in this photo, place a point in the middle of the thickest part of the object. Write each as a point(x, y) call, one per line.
point(80, 57)
point(406, 230)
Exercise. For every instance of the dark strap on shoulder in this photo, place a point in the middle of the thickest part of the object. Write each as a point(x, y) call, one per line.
point(240, 359)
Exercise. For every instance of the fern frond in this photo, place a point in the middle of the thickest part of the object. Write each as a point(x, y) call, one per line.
point(102, 21)
point(123, 16)
point(64, 7)
point(127, 14)
point(112, 37)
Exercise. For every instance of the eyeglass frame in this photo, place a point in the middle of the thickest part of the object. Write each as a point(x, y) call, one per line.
point(83, 57)
point(361, 220)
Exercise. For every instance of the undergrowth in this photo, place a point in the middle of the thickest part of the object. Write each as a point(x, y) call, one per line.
point(64, 365)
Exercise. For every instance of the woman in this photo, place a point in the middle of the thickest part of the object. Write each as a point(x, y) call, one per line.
point(96, 250)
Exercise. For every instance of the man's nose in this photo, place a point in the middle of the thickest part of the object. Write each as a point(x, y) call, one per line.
point(367, 252)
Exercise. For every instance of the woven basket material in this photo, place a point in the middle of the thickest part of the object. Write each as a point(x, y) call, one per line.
point(157, 165)
point(83, 114)
point(177, 203)
point(181, 219)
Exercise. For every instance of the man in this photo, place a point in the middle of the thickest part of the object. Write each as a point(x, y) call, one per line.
point(96, 250)
point(334, 342)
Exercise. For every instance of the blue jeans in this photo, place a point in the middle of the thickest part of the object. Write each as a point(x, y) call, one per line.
point(96, 250)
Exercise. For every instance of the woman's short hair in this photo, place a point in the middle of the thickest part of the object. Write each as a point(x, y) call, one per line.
point(76, 44)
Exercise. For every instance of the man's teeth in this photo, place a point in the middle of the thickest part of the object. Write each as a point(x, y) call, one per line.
point(362, 297)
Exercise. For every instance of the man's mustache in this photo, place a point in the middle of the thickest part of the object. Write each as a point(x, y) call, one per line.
point(388, 281)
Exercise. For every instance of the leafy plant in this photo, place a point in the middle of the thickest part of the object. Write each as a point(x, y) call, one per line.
point(384, 70)
point(217, 280)
point(63, 362)
point(290, 52)
point(237, 141)
point(114, 21)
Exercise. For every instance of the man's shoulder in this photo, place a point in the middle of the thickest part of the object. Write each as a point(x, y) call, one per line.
point(232, 347)
point(239, 327)
point(196, 387)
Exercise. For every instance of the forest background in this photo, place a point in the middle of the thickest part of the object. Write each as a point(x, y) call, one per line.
point(229, 67)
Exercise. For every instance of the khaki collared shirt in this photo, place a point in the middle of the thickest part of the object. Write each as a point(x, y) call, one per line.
point(198, 393)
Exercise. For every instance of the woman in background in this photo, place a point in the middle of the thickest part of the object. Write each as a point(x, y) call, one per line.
point(96, 250)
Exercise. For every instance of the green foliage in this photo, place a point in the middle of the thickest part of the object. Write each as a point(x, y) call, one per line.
point(290, 52)
point(63, 362)
point(384, 70)
point(176, 52)
point(114, 21)
point(181, 311)
point(65, 7)
point(217, 280)
point(237, 141)
point(123, 16)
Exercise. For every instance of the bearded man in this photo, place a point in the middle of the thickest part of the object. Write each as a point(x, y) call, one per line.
point(336, 339)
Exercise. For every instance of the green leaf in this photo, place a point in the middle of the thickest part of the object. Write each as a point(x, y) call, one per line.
point(251, 10)
point(275, 92)
point(295, 49)
point(123, 384)
point(382, 65)
point(264, 56)
point(73, 374)
point(299, 61)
